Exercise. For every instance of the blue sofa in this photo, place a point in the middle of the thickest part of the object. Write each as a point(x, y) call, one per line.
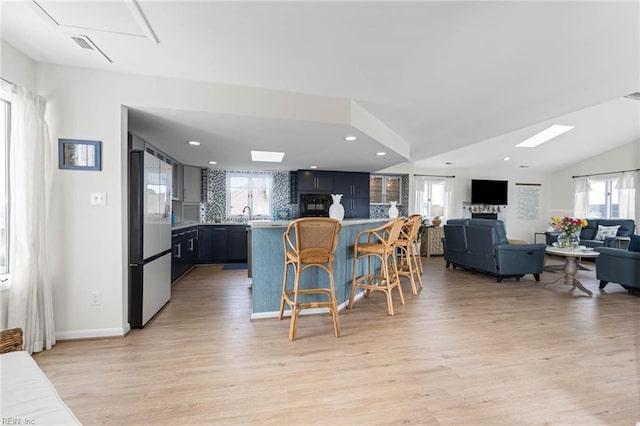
point(588, 233)
point(481, 245)
point(620, 266)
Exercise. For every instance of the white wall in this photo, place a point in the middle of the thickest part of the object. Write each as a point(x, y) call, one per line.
point(516, 228)
point(89, 250)
point(556, 190)
point(625, 157)
point(16, 67)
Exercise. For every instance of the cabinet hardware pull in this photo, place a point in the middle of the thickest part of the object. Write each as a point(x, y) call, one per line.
point(179, 254)
point(191, 244)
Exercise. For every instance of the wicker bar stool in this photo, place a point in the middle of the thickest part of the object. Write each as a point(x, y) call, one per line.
point(309, 243)
point(380, 245)
point(416, 247)
point(408, 261)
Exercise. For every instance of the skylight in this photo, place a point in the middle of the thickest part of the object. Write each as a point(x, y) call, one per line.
point(545, 136)
point(268, 156)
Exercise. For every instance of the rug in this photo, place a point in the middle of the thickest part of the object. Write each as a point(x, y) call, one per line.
point(234, 266)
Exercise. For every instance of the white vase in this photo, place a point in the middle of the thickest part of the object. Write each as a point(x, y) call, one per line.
point(393, 210)
point(336, 210)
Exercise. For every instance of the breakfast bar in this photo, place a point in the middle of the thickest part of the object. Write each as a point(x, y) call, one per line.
point(268, 263)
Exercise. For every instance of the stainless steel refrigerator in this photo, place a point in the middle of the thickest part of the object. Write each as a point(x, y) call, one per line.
point(149, 233)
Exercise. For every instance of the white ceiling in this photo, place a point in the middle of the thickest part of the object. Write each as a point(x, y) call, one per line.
point(460, 82)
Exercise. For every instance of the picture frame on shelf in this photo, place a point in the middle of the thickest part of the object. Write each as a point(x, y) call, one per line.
point(75, 154)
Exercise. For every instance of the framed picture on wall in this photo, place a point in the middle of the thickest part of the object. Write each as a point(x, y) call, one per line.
point(77, 154)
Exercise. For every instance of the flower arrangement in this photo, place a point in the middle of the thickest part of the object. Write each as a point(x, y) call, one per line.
point(569, 225)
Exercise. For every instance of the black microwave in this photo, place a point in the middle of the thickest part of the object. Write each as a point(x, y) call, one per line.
point(315, 205)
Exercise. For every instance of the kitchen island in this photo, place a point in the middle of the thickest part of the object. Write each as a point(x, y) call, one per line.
point(268, 263)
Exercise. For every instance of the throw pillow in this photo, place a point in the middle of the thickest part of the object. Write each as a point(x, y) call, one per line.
point(606, 231)
point(634, 244)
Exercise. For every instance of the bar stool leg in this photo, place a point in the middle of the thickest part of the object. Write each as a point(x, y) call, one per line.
point(284, 290)
point(294, 309)
point(397, 275)
point(334, 306)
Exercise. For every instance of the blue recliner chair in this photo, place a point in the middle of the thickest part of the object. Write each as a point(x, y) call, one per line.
point(481, 245)
point(620, 266)
point(455, 242)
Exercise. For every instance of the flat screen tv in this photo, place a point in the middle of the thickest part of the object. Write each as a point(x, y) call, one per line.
point(492, 192)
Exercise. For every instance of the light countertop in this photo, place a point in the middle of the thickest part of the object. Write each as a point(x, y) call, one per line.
point(179, 226)
point(269, 223)
point(284, 223)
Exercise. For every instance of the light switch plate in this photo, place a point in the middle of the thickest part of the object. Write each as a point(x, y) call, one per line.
point(98, 198)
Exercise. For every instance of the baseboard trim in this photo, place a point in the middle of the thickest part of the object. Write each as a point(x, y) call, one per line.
point(275, 314)
point(92, 334)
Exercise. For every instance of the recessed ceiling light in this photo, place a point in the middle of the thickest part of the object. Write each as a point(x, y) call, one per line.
point(350, 138)
point(545, 135)
point(507, 158)
point(268, 156)
point(524, 167)
point(313, 167)
point(194, 143)
point(380, 154)
point(213, 162)
point(448, 163)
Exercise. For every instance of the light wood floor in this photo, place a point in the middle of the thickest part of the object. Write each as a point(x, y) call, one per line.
point(465, 351)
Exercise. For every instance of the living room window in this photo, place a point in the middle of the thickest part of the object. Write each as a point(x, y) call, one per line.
point(433, 199)
point(5, 126)
point(434, 195)
point(604, 199)
point(249, 189)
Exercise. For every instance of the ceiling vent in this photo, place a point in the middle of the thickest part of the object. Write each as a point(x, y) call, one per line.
point(82, 42)
point(635, 96)
point(86, 43)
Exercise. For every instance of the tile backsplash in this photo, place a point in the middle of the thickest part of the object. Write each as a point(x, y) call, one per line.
point(217, 196)
point(377, 211)
point(215, 206)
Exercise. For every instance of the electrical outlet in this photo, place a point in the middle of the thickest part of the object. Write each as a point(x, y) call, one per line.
point(98, 198)
point(96, 298)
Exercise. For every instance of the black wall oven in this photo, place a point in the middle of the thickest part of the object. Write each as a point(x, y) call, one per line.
point(315, 205)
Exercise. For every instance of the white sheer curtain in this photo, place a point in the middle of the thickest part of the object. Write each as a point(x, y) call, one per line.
point(440, 186)
point(30, 293)
point(420, 182)
point(581, 197)
point(448, 198)
point(628, 183)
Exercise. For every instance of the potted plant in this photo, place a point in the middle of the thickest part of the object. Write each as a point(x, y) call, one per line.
point(424, 224)
point(423, 227)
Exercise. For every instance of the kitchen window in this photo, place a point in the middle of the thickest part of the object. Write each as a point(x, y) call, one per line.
point(5, 126)
point(249, 189)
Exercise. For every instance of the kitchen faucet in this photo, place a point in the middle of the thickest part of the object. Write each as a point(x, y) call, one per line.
point(245, 209)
